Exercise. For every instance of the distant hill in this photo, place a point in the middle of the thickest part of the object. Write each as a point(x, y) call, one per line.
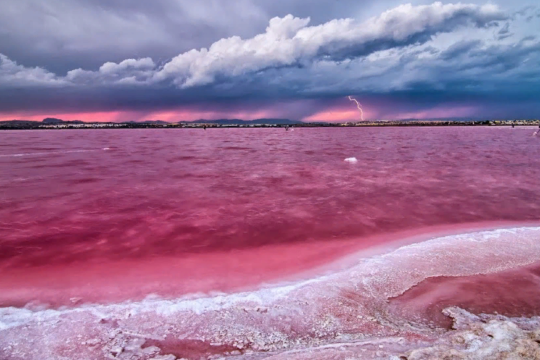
point(155, 122)
point(54, 121)
point(247, 122)
point(19, 124)
point(15, 122)
point(441, 119)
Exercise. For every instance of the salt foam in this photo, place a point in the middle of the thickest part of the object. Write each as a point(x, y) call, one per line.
point(344, 313)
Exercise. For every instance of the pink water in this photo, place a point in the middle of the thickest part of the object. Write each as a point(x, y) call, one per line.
point(109, 216)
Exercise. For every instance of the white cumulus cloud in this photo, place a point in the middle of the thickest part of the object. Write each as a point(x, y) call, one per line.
point(289, 41)
point(13, 74)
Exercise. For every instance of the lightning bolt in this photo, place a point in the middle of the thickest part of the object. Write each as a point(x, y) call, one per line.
point(359, 106)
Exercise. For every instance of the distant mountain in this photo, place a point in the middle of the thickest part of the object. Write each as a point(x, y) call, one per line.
point(154, 122)
point(18, 124)
point(441, 119)
point(52, 121)
point(55, 121)
point(247, 122)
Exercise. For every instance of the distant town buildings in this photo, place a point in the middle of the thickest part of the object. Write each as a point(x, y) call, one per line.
point(59, 124)
point(83, 126)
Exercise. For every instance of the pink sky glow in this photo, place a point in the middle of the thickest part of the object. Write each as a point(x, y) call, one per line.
point(119, 116)
point(341, 113)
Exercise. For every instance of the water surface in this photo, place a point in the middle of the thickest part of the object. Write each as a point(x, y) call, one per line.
point(108, 216)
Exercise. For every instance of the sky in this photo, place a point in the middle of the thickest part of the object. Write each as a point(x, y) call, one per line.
point(178, 60)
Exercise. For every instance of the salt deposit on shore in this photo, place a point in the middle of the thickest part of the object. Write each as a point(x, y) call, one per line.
point(340, 316)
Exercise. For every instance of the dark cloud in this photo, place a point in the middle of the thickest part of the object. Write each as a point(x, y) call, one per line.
point(123, 56)
point(65, 34)
point(460, 48)
point(62, 35)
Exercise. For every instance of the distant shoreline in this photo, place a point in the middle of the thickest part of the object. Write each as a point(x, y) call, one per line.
point(11, 125)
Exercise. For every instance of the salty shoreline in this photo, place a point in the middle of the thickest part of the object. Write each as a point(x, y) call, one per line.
point(112, 281)
point(307, 317)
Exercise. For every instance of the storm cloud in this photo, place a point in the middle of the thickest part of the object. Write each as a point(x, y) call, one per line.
point(411, 57)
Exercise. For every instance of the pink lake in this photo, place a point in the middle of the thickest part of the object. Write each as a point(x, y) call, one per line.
point(262, 243)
